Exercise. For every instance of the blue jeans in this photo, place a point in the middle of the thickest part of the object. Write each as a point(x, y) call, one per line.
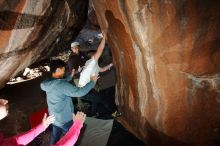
point(57, 132)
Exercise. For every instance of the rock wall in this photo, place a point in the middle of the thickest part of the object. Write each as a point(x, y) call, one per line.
point(30, 30)
point(167, 56)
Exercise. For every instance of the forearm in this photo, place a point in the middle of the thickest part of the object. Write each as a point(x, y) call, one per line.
point(107, 67)
point(73, 91)
point(71, 136)
point(27, 137)
point(102, 44)
point(100, 49)
point(103, 69)
point(82, 91)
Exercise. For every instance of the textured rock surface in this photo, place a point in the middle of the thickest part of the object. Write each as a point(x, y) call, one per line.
point(168, 68)
point(30, 29)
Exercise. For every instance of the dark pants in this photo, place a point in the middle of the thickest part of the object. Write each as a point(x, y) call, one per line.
point(96, 98)
point(57, 132)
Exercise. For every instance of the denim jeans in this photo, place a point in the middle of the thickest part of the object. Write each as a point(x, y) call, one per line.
point(57, 132)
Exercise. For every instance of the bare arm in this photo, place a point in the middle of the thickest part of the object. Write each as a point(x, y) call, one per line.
point(105, 68)
point(100, 48)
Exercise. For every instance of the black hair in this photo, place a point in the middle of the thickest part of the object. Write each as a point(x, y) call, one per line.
point(54, 64)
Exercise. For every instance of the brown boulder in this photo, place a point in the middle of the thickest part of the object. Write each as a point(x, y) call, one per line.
point(167, 58)
point(30, 30)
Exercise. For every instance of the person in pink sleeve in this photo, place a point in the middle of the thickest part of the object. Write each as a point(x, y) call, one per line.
point(27, 137)
point(23, 139)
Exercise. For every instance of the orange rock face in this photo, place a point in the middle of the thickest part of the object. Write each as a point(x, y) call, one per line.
point(167, 56)
point(29, 30)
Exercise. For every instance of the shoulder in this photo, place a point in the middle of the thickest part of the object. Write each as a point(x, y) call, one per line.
point(56, 82)
point(61, 81)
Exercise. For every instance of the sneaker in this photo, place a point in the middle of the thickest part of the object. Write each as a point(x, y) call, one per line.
point(116, 114)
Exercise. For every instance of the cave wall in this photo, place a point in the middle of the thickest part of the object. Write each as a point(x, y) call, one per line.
point(167, 57)
point(30, 30)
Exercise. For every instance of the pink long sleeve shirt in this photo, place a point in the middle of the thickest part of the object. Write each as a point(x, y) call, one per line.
point(23, 139)
point(71, 136)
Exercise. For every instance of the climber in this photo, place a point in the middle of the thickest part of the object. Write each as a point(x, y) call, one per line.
point(91, 66)
point(78, 59)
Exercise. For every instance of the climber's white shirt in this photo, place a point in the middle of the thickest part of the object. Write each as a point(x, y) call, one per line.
point(91, 68)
